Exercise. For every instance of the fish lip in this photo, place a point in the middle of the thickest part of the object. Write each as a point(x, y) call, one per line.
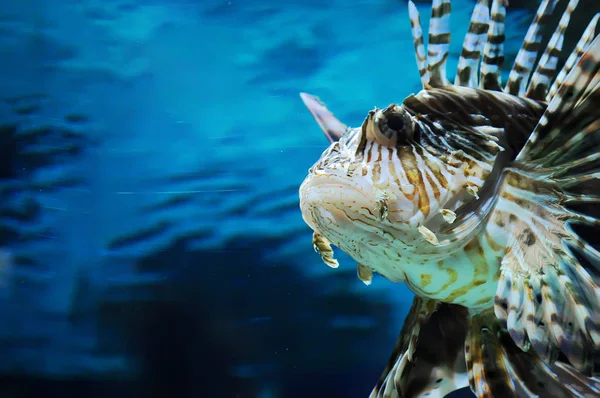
point(336, 222)
point(314, 195)
point(330, 202)
point(331, 187)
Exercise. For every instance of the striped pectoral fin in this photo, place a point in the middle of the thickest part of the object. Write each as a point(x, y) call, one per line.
point(569, 129)
point(498, 368)
point(330, 125)
point(548, 295)
point(428, 359)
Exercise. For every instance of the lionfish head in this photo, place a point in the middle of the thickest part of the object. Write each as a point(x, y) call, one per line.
point(415, 182)
point(379, 190)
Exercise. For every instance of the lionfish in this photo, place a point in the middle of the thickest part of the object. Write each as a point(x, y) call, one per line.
point(483, 198)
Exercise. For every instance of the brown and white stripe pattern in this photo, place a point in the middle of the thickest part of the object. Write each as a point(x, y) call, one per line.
point(488, 31)
point(432, 67)
point(493, 53)
point(550, 308)
point(417, 34)
point(554, 304)
point(498, 368)
point(525, 61)
point(582, 46)
point(439, 42)
point(468, 63)
point(546, 68)
point(549, 138)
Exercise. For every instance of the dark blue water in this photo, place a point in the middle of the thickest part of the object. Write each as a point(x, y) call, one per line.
point(150, 159)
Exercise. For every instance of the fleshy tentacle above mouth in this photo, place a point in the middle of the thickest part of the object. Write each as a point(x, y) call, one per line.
point(323, 247)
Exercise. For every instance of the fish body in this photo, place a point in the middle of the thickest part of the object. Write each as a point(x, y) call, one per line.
point(480, 196)
point(417, 183)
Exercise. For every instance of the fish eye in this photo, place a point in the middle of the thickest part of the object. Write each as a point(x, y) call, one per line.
point(395, 122)
point(389, 127)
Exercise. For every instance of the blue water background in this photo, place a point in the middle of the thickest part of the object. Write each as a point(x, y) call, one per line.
point(150, 159)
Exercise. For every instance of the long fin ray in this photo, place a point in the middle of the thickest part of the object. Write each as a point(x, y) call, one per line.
point(417, 34)
point(582, 46)
point(548, 63)
point(519, 74)
point(468, 63)
point(558, 124)
point(493, 57)
point(439, 42)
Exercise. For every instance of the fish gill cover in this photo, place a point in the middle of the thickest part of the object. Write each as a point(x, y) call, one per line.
point(149, 166)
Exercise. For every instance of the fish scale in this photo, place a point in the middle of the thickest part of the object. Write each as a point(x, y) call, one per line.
point(471, 194)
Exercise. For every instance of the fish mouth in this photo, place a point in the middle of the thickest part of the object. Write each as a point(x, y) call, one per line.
point(351, 203)
point(340, 210)
point(325, 202)
point(347, 209)
point(344, 211)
